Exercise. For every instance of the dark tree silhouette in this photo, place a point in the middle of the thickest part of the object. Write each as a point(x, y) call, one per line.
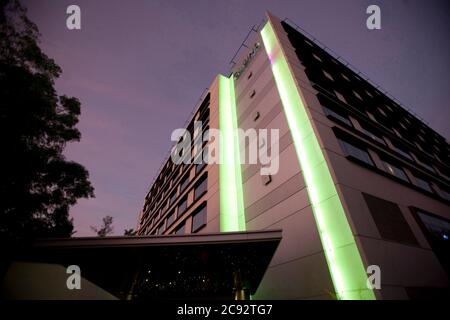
point(129, 232)
point(37, 184)
point(106, 229)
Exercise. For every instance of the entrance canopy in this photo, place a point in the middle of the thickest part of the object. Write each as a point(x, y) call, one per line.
point(200, 266)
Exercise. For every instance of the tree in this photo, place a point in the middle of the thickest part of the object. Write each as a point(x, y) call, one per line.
point(129, 232)
point(106, 229)
point(38, 185)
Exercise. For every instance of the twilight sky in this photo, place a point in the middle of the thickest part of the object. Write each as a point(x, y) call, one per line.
point(138, 68)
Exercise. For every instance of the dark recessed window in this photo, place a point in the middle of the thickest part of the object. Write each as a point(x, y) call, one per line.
point(356, 152)
point(382, 112)
point(170, 218)
point(180, 229)
point(375, 136)
point(184, 183)
point(437, 232)
point(182, 206)
point(445, 194)
point(426, 165)
point(252, 94)
point(199, 167)
point(250, 75)
point(173, 197)
point(425, 185)
point(403, 152)
point(201, 187)
point(395, 171)
point(199, 219)
point(160, 229)
point(389, 219)
point(340, 117)
point(327, 75)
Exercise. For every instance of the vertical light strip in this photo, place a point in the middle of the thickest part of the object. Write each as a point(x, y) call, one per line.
point(344, 261)
point(232, 217)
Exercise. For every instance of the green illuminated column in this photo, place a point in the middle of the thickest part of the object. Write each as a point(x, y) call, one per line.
point(344, 261)
point(232, 217)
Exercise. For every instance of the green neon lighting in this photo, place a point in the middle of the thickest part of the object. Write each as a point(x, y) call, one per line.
point(232, 216)
point(344, 261)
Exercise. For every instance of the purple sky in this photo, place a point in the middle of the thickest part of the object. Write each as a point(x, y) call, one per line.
point(138, 68)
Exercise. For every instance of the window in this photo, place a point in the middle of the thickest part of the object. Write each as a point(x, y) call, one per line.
point(374, 136)
point(445, 194)
point(252, 94)
point(316, 57)
point(160, 230)
point(437, 232)
point(173, 197)
point(345, 77)
point(421, 183)
point(382, 112)
point(403, 152)
point(340, 97)
point(170, 218)
point(356, 152)
point(426, 165)
point(180, 229)
point(199, 167)
point(201, 187)
point(184, 182)
point(371, 117)
point(395, 171)
point(199, 219)
point(357, 95)
point(182, 206)
point(250, 75)
point(389, 219)
point(338, 116)
point(328, 75)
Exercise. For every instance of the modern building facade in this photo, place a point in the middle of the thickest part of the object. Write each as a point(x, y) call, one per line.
point(362, 183)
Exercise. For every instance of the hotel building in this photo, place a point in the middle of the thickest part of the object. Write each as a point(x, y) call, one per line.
point(362, 182)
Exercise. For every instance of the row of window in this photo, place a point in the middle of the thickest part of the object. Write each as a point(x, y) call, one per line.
point(170, 171)
point(341, 117)
point(155, 202)
point(361, 153)
point(384, 110)
point(199, 189)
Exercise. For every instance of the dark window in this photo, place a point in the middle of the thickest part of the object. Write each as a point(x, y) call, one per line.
point(201, 187)
point(445, 194)
point(389, 220)
point(403, 152)
point(180, 229)
point(338, 116)
point(426, 165)
point(199, 167)
point(170, 218)
point(160, 229)
point(173, 197)
point(437, 232)
point(395, 171)
point(373, 135)
point(421, 183)
point(199, 219)
point(184, 183)
point(182, 206)
point(356, 152)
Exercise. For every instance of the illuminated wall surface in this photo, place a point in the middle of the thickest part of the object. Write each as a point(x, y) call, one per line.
point(232, 216)
point(344, 261)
